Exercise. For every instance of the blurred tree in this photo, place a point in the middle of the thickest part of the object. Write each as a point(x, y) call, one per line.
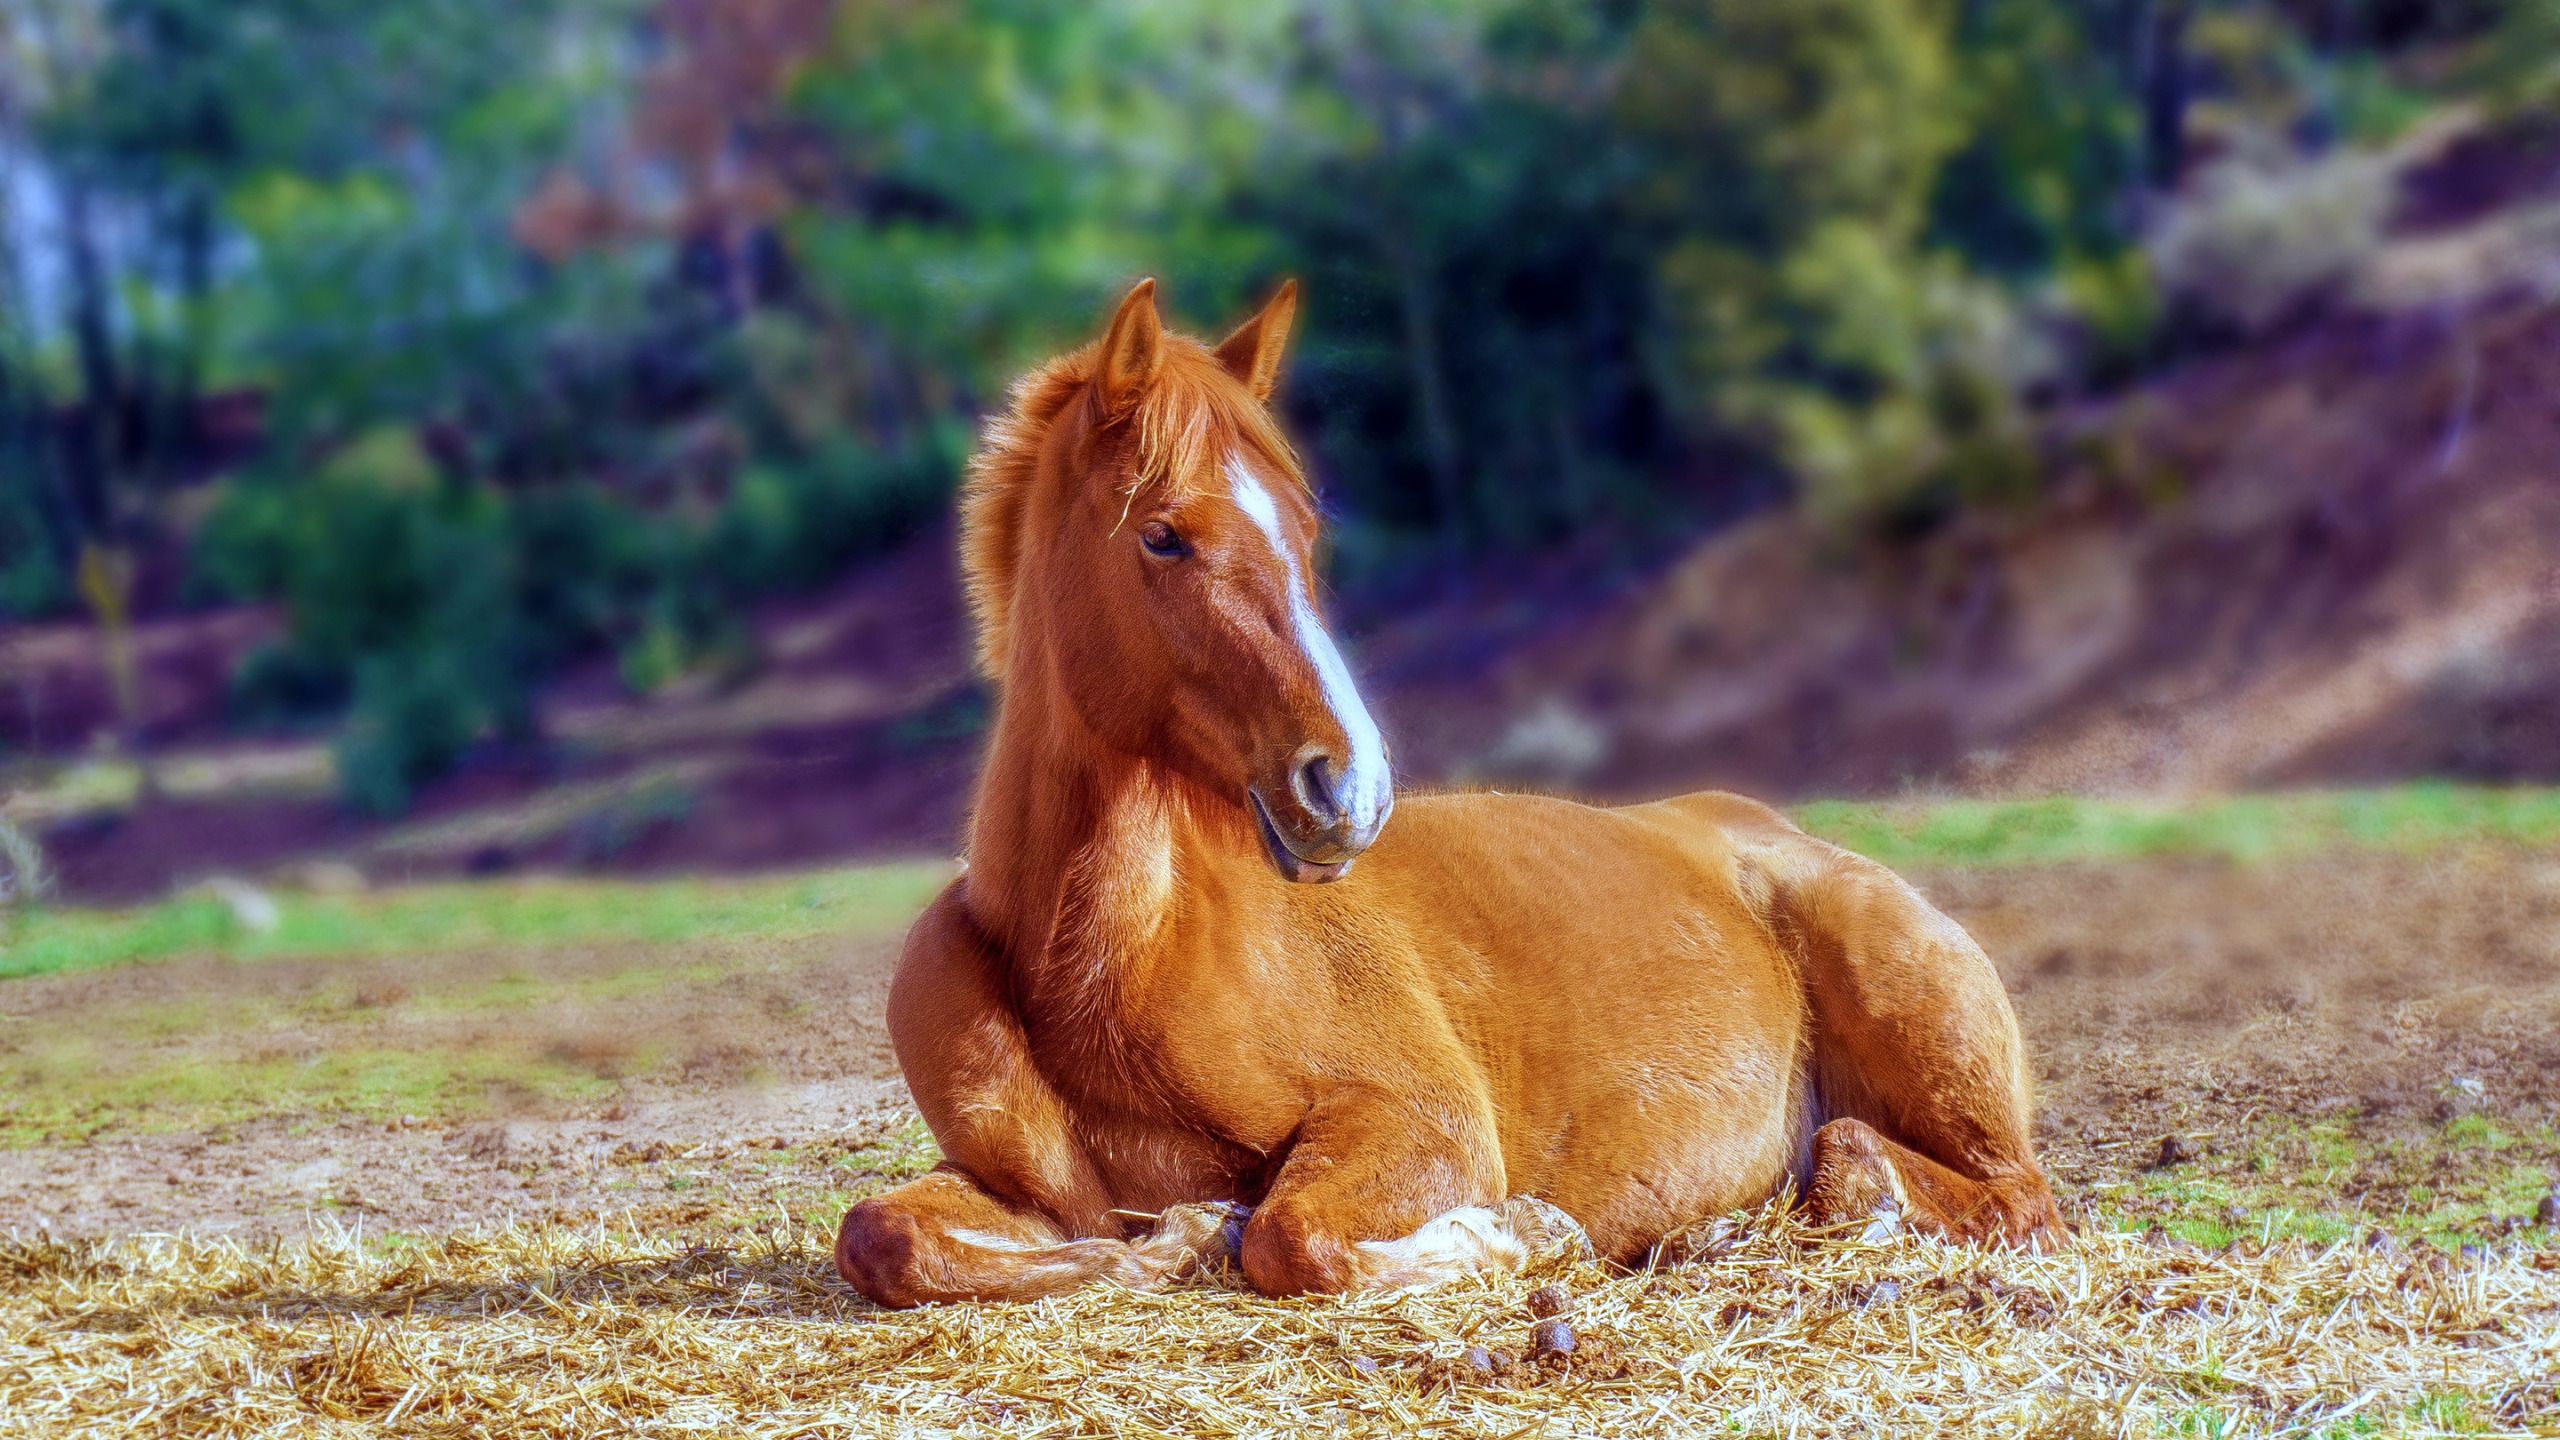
point(1452, 186)
point(999, 168)
point(1795, 145)
point(2051, 145)
point(1445, 175)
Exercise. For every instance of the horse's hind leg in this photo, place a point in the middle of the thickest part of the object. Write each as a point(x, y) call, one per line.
point(1859, 1175)
point(1917, 1061)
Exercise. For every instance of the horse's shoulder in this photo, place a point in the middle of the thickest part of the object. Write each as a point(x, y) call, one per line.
point(970, 1069)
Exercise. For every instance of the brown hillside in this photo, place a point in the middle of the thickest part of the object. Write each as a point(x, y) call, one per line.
point(2329, 557)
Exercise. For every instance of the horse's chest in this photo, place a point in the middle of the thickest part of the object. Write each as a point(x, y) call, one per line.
point(1147, 1167)
point(1176, 1091)
point(1166, 1124)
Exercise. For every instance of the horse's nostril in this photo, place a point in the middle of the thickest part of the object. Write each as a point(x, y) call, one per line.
point(1314, 782)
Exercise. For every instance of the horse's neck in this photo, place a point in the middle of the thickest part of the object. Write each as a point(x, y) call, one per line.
point(1073, 860)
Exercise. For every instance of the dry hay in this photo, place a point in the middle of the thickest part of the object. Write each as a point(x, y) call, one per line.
point(1769, 1329)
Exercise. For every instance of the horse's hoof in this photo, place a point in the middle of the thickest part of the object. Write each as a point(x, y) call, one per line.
point(1545, 1231)
point(1231, 1232)
point(1882, 1227)
point(1209, 1232)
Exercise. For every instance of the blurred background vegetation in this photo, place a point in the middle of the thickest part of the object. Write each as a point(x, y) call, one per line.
point(488, 334)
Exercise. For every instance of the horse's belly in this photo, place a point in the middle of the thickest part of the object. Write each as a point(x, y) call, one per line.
point(1645, 1149)
point(1645, 1059)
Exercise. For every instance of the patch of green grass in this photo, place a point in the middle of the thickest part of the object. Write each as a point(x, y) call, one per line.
point(901, 1155)
point(559, 911)
point(2474, 1130)
point(2419, 816)
point(516, 992)
point(446, 918)
point(2205, 1422)
point(2449, 1413)
point(2326, 1180)
point(886, 1163)
point(70, 1104)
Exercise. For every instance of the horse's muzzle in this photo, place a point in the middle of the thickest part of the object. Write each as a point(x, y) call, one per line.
point(1312, 844)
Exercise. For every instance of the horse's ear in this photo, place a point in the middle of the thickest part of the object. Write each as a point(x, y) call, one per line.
point(1252, 354)
point(1132, 350)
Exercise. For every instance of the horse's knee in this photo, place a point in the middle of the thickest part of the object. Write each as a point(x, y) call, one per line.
point(1287, 1251)
point(876, 1252)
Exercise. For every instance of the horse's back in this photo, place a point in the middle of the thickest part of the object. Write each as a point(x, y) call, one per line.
point(1700, 852)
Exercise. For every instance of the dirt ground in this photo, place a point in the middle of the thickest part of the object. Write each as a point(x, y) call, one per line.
point(2357, 1038)
point(416, 1094)
point(2345, 1039)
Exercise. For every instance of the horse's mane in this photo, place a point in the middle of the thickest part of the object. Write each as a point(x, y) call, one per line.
point(1194, 411)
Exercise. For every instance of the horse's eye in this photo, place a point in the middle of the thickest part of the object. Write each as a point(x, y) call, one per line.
point(1161, 542)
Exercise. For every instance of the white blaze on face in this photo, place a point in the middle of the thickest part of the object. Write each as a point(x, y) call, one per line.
point(1366, 785)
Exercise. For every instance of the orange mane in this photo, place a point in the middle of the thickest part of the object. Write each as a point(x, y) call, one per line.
point(1194, 410)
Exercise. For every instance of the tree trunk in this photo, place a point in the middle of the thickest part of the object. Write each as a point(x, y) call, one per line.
point(2164, 95)
point(1431, 393)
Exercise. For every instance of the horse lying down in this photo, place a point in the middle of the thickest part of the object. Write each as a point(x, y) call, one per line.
point(1196, 995)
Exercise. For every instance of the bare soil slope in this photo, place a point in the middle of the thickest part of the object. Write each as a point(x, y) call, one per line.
point(2324, 558)
point(854, 736)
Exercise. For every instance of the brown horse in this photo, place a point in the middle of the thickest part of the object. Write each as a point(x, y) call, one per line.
point(1196, 993)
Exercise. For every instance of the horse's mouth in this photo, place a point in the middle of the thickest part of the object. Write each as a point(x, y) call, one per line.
point(1303, 872)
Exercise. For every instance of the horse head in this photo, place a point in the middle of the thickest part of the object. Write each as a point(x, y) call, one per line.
point(1140, 541)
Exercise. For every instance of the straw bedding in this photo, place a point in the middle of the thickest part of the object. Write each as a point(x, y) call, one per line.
point(1767, 1329)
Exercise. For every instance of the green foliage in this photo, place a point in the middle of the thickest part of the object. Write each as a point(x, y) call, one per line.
point(414, 716)
point(1020, 161)
point(1842, 181)
point(1626, 266)
point(2518, 64)
point(1452, 188)
point(437, 605)
point(2050, 145)
point(1786, 115)
point(386, 573)
point(795, 520)
point(33, 581)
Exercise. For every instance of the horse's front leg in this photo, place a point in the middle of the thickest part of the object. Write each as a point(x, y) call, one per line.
point(1016, 1210)
point(1384, 1192)
point(945, 1238)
